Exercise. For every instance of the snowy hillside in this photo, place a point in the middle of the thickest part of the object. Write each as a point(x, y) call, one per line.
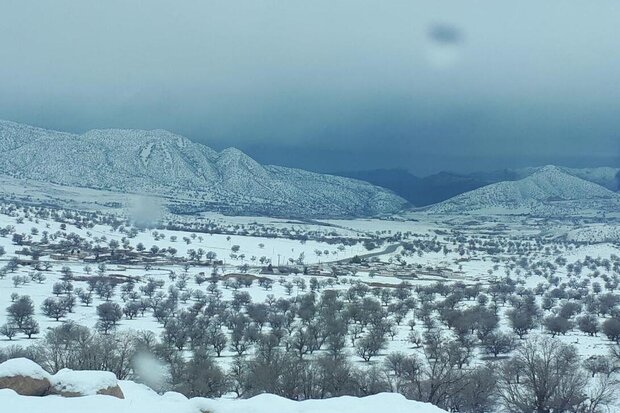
point(595, 233)
point(162, 163)
point(541, 192)
point(604, 176)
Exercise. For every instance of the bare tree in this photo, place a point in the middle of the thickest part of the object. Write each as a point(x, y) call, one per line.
point(543, 376)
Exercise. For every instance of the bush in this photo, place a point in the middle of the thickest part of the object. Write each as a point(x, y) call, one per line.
point(611, 328)
point(557, 325)
point(53, 308)
point(21, 310)
point(200, 376)
point(109, 314)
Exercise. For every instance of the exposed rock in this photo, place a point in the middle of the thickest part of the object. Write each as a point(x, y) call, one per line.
point(69, 383)
point(112, 391)
point(26, 386)
point(25, 377)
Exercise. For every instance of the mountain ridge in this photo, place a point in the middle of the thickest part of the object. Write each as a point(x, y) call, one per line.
point(547, 187)
point(427, 190)
point(163, 163)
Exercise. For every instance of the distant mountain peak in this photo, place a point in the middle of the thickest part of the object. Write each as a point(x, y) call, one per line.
point(234, 154)
point(548, 169)
point(443, 185)
point(547, 186)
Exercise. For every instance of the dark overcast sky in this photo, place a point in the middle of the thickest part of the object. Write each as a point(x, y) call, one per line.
point(326, 84)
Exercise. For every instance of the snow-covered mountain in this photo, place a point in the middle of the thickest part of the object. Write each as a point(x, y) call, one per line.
point(547, 190)
point(194, 176)
point(604, 176)
point(438, 187)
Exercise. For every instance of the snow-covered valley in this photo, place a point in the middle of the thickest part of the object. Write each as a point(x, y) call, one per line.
point(366, 291)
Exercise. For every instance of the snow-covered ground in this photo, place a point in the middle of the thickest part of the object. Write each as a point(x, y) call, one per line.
point(469, 250)
point(140, 399)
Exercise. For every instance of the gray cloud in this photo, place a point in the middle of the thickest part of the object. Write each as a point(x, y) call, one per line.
point(327, 85)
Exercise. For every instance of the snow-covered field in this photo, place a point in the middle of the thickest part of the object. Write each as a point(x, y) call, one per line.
point(469, 253)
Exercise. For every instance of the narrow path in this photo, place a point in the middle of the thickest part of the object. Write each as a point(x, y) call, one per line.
point(388, 250)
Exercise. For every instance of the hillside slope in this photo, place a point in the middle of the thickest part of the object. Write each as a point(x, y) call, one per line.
point(546, 189)
point(604, 176)
point(438, 187)
point(195, 176)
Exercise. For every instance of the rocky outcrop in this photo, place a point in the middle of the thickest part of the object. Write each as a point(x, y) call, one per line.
point(112, 391)
point(25, 377)
point(29, 379)
point(69, 383)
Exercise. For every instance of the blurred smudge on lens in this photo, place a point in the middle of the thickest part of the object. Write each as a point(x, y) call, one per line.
point(444, 46)
point(445, 34)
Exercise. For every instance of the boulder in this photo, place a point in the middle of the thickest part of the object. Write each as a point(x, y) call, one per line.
point(112, 391)
point(70, 383)
point(25, 377)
